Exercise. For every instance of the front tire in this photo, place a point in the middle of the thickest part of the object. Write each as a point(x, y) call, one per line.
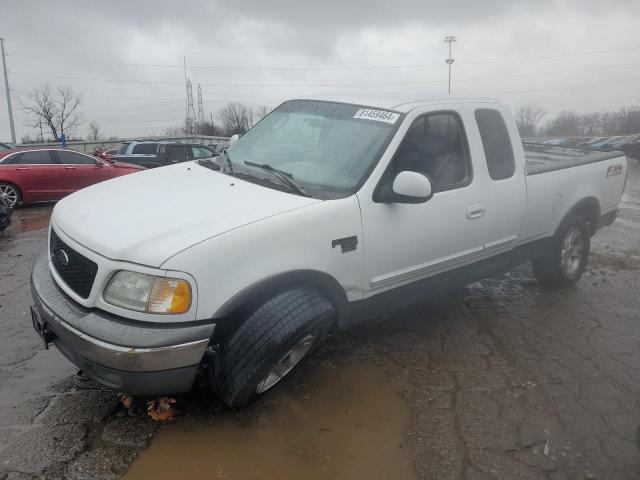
point(270, 343)
point(567, 259)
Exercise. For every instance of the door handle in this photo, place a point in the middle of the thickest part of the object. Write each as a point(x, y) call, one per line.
point(69, 168)
point(21, 168)
point(475, 211)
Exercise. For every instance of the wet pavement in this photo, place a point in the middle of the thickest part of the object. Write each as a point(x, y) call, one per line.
point(499, 380)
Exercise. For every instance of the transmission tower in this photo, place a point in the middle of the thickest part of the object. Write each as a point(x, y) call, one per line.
point(200, 109)
point(191, 113)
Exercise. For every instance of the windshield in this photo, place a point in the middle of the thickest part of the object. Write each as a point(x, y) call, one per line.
point(328, 148)
point(123, 149)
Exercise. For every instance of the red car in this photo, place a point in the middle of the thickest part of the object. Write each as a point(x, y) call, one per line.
point(45, 174)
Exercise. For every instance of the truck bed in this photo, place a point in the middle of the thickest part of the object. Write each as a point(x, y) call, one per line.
point(542, 158)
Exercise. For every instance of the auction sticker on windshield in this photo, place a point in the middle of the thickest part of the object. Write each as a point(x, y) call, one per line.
point(378, 115)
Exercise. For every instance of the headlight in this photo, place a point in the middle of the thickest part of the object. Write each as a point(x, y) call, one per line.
point(148, 293)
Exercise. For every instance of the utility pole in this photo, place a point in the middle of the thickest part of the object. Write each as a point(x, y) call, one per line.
point(6, 87)
point(449, 39)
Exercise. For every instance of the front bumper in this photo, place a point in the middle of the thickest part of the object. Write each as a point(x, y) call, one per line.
point(140, 358)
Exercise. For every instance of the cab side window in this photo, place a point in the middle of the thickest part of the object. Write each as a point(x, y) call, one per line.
point(497, 143)
point(436, 145)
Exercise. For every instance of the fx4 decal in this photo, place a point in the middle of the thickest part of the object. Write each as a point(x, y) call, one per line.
point(614, 170)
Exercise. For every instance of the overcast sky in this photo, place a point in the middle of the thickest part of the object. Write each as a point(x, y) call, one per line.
point(263, 52)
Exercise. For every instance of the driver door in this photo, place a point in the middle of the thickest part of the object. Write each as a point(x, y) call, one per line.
point(406, 245)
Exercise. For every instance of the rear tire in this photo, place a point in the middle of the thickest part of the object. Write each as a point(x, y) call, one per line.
point(11, 192)
point(270, 343)
point(567, 259)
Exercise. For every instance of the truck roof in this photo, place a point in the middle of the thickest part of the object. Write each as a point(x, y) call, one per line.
point(401, 102)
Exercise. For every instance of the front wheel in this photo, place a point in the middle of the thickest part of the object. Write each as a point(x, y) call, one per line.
point(270, 343)
point(567, 259)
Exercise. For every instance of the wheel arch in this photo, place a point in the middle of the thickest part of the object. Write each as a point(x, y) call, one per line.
point(228, 314)
point(589, 208)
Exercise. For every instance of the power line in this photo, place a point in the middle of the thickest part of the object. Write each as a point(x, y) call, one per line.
point(315, 68)
point(156, 120)
point(560, 87)
point(97, 62)
point(355, 84)
point(160, 99)
point(112, 80)
point(548, 57)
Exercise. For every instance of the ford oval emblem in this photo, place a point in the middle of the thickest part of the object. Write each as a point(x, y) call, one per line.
point(61, 258)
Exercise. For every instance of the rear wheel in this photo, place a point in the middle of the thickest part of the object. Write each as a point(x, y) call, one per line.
point(567, 259)
point(11, 193)
point(270, 343)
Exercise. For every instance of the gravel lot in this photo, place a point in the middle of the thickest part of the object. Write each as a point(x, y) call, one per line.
point(497, 380)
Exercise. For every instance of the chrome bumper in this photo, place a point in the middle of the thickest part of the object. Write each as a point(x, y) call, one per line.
point(132, 356)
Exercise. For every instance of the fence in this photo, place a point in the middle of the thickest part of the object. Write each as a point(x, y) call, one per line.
point(90, 146)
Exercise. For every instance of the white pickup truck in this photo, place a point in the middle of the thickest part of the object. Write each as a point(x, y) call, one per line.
point(326, 212)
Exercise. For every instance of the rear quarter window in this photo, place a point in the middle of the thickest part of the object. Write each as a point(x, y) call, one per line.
point(177, 153)
point(145, 148)
point(496, 142)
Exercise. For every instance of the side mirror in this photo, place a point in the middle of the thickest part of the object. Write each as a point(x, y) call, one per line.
point(99, 164)
point(411, 187)
point(234, 138)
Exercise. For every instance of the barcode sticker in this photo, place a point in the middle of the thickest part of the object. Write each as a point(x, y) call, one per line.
point(378, 115)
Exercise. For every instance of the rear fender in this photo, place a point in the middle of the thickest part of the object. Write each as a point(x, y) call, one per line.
point(589, 208)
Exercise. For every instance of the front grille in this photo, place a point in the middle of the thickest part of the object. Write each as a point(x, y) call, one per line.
point(77, 271)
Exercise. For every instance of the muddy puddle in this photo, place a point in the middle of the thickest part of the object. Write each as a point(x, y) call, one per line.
point(29, 219)
point(346, 422)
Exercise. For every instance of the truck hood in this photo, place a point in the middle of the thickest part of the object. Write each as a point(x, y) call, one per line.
point(150, 216)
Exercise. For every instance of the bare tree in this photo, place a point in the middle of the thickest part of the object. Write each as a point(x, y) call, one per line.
point(262, 111)
point(591, 124)
point(236, 118)
point(42, 109)
point(190, 127)
point(625, 121)
point(69, 117)
point(565, 124)
point(57, 111)
point(211, 128)
point(173, 131)
point(528, 117)
point(94, 131)
point(27, 139)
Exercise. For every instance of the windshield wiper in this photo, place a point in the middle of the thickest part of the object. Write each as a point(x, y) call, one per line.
point(286, 177)
point(210, 164)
